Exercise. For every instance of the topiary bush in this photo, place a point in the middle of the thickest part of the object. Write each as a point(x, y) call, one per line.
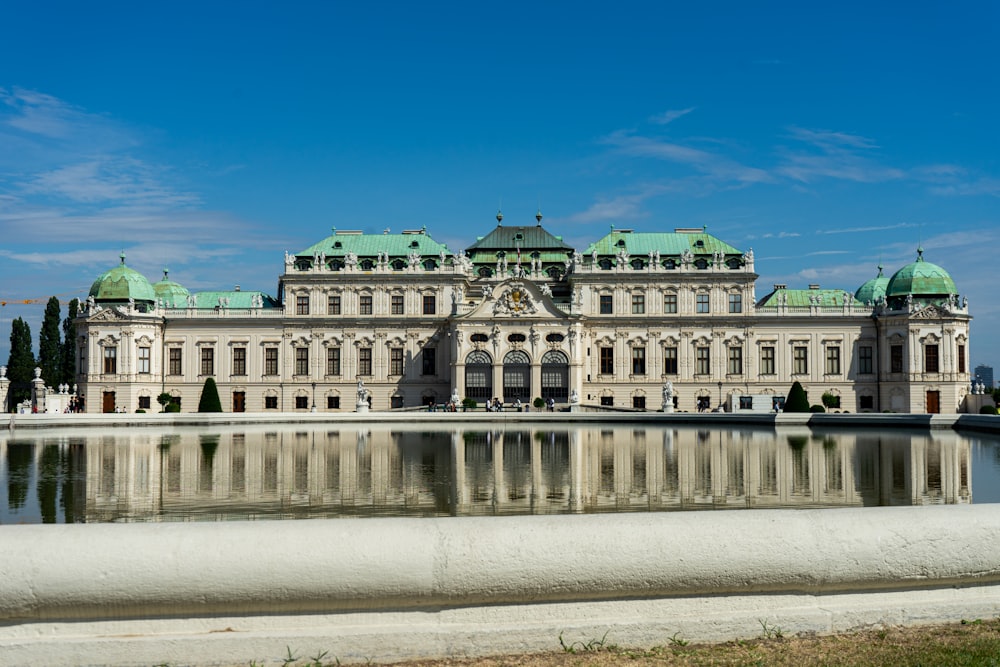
point(209, 401)
point(817, 408)
point(797, 400)
point(469, 403)
point(539, 403)
point(988, 410)
point(172, 406)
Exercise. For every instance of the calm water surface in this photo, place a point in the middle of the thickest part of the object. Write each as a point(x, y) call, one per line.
point(257, 472)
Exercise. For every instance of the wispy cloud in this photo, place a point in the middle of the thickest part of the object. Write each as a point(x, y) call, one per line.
point(670, 116)
point(836, 155)
point(860, 230)
point(723, 169)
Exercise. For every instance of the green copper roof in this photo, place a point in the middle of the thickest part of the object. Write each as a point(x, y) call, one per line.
point(528, 237)
point(666, 243)
point(370, 245)
point(121, 284)
point(234, 299)
point(804, 298)
point(169, 293)
point(873, 290)
point(920, 278)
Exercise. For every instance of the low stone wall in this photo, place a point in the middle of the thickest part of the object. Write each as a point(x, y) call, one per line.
point(390, 589)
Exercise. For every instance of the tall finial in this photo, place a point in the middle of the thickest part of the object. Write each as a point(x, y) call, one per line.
point(499, 217)
point(538, 216)
point(166, 272)
point(920, 253)
point(122, 255)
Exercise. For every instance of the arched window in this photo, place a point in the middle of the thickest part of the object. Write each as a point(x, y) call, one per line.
point(397, 265)
point(669, 264)
point(336, 265)
point(555, 375)
point(516, 376)
point(638, 264)
point(479, 376)
point(367, 264)
point(605, 264)
point(429, 265)
point(485, 272)
point(701, 263)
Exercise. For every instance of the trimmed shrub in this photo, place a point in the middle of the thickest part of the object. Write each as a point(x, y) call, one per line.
point(172, 407)
point(830, 400)
point(469, 403)
point(140, 411)
point(539, 403)
point(988, 410)
point(209, 401)
point(817, 408)
point(796, 401)
point(164, 400)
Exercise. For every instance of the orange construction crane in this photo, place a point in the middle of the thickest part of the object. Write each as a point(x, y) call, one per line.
point(19, 300)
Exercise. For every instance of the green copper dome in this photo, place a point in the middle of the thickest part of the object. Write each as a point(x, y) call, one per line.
point(171, 294)
point(873, 290)
point(121, 284)
point(920, 278)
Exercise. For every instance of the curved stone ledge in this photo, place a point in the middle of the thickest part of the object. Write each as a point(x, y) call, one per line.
point(116, 571)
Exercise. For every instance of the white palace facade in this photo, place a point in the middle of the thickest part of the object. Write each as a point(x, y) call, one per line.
point(519, 315)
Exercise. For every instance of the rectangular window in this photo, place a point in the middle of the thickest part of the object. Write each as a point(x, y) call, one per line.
point(639, 402)
point(607, 401)
point(703, 361)
point(110, 360)
point(175, 361)
point(365, 304)
point(270, 402)
point(607, 361)
point(396, 306)
point(735, 361)
point(607, 305)
point(333, 402)
point(865, 360)
point(670, 360)
point(896, 359)
point(429, 363)
point(833, 360)
point(144, 402)
point(800, 360)
point(301, 402)
point(208, 361)
point(144, 360)
point(302, 305)
point(702, 303)
point(961, 358)
point(239, 361)
point(638, 361)
point(270, 361)
point(333, 361)
point(333, 305)
point(767, 360)
point(866, 402)
point(395, 361)
point(364, 361)
point(735, 303)
point(302, 361)
point(430, 304)
point(931, 359)
point(638, 304)
point(669, 303)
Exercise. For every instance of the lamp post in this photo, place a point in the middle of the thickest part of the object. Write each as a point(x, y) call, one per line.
point(720, 395)
point(314, 397)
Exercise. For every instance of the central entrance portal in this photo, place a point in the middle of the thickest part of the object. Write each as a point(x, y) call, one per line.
point(516, 377)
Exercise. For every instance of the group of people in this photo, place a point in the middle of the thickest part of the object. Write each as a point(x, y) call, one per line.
point(496, 405)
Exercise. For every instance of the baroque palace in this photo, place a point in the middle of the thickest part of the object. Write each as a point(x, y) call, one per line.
point(520, 314)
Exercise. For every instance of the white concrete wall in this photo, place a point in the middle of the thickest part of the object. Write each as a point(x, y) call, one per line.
point(390, 589)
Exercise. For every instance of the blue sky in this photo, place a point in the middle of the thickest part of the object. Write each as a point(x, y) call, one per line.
point(211, 137)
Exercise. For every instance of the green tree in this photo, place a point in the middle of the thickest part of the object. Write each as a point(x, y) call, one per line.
point(20, 364)
point(164, 400)
point(209, 401)
point(49, 347)
point(796, 401)
point(69, 344)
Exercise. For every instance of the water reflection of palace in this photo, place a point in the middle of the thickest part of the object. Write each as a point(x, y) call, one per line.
point(320, 473)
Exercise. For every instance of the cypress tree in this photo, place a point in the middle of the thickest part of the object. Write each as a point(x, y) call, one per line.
point(49, 346)
point(797, 401)
point(209, 401)
point(68, 374)
point(20, 364)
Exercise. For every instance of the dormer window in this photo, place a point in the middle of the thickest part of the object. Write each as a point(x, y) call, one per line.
point(638, 264)
point(398, 265)
point(336, 265)
point(605, 264)
point(485, 272)
point(367, 265)
point(701, 263)
point(669, 264)
point(338, 244)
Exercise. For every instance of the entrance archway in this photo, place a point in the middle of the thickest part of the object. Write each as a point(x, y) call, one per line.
point(479, 376)
point(555, 376)
point(516, 377)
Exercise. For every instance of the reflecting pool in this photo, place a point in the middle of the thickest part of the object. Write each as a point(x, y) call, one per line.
point(242, 473)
